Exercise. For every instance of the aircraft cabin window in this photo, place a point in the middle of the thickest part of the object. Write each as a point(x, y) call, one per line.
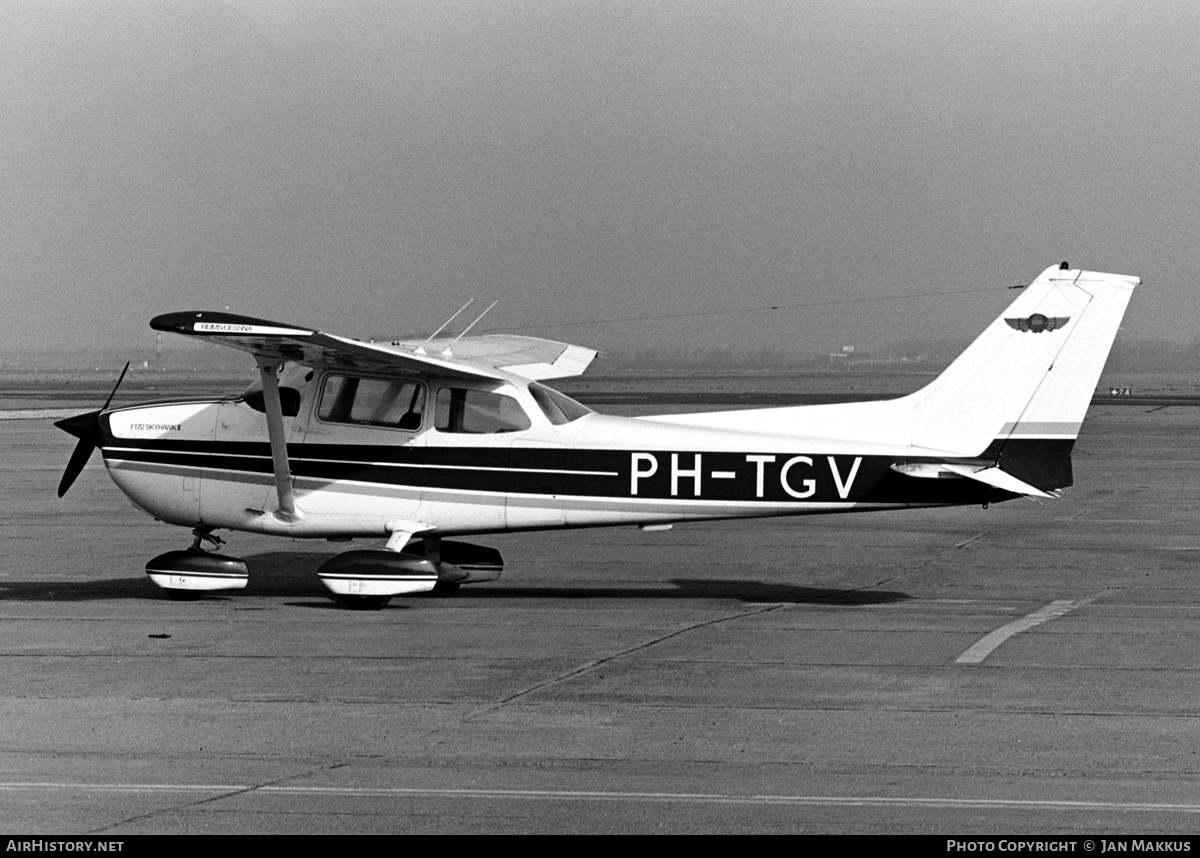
point(558, 407)
point(385, 402)
point(477, 412)
point(289, 400)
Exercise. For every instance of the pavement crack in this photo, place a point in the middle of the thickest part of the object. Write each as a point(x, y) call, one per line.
point(601, 662)
point(232, 792)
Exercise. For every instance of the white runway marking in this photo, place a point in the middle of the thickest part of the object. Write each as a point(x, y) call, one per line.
point(37, 413)
point(983, 647)
point(603, 795)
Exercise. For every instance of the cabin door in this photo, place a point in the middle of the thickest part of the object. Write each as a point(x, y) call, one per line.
point(535, 486)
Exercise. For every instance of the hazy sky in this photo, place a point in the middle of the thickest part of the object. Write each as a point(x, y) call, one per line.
point(365, 168)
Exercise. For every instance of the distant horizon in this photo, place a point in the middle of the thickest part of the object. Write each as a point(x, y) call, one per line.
point(618, 175)
point(912, 355)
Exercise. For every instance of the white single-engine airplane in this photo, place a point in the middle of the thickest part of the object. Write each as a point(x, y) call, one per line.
point(413, 442)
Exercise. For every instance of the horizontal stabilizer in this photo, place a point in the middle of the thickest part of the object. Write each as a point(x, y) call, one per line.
point(993, 476)
point(988, 474)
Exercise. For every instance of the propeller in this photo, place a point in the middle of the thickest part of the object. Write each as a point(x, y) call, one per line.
point(85, 427)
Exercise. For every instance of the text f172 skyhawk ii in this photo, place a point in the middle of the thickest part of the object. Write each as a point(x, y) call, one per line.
point(417, 443)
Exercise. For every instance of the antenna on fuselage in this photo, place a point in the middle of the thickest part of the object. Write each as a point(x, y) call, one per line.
point(446, 351)
point(421, 348)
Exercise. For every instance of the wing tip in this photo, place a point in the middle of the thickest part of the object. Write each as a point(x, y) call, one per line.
point(201, 323)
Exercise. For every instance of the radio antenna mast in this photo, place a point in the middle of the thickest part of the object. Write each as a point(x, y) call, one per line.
point(446, 351)
point(421, 348)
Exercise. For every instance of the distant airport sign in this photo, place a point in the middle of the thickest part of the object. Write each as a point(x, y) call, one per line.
point(1120, 391)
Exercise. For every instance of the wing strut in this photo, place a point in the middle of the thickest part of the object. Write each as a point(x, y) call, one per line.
point(269, 368)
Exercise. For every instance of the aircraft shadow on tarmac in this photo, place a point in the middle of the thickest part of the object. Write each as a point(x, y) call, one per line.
point(293, 573)
point(742, 590)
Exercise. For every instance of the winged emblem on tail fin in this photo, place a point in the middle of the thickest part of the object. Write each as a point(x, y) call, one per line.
point(1037, 323)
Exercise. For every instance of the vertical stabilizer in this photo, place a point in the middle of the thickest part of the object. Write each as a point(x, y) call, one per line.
point(1012, 402)
point(1029, 376)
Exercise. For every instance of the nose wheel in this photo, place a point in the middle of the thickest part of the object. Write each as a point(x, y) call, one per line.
point(187, 575)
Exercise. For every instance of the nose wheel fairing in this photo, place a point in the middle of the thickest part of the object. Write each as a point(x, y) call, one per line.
point(192, 572)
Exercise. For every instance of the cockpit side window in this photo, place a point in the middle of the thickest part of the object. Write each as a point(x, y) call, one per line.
point(290, 394)
point(392, 403)
point(289, 400)
point(558, 407)
point(477, 412)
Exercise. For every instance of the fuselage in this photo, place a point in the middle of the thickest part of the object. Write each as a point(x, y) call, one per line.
point(465, 457)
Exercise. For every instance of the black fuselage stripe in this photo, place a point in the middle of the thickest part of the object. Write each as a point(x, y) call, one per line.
point(599, 473)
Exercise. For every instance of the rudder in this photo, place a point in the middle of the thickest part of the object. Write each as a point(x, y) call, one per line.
point(1019, 393)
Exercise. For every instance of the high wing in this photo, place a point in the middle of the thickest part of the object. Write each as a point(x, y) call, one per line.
point(484, 358)
point(273, 343)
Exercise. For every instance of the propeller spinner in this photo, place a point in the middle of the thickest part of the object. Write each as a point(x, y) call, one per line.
point(85, 427)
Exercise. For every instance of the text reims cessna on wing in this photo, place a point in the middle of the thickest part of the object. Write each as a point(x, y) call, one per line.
point(415, 443)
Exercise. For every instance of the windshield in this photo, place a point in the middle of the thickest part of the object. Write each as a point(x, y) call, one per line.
point(558, 407)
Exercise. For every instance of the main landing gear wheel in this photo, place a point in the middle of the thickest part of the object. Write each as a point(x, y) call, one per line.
point(364, 603)
point(445, 588)
point(183, 595)
point(364, 579)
